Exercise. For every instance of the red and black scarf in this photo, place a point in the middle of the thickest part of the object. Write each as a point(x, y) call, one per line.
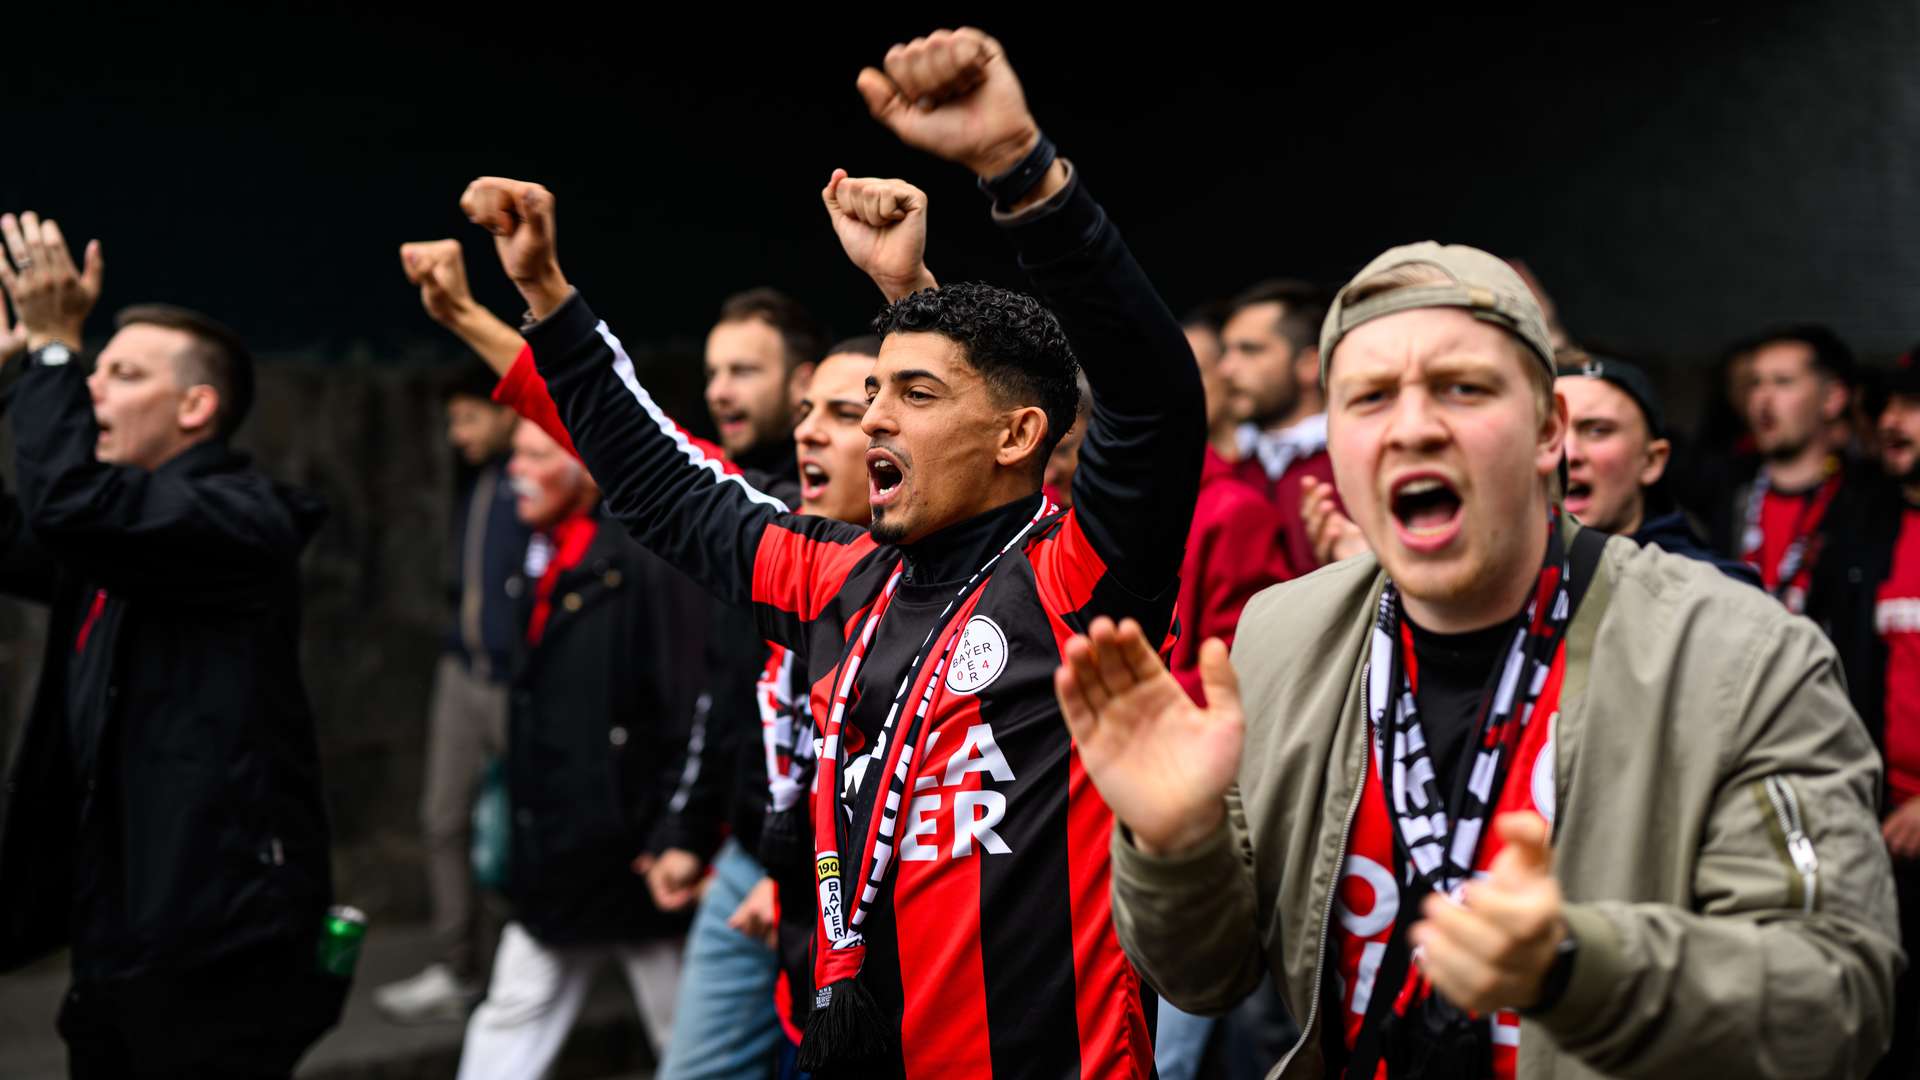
point(1436, 841)
point(1790, 579)
point(846, 1026)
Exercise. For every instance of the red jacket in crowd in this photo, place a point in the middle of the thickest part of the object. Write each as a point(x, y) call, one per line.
point(1233, 551)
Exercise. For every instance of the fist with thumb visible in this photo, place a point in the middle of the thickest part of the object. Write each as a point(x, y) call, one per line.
point(954, 95)
point(439, 268)
point(882, 225)
point(521, 217)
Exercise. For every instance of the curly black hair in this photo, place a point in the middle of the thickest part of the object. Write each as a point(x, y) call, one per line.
point(1010, 338)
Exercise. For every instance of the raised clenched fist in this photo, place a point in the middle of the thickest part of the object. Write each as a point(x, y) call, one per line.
point(953, 94)
point(51, 297)
point(439, 267)
point(882, 224)
point(520, 215)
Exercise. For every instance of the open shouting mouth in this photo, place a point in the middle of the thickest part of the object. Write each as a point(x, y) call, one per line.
point(813, 480)
point(1579, 497)
point(885, 475)
point(1426, 511)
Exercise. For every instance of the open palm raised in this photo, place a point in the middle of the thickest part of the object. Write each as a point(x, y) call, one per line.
point(1162, 763)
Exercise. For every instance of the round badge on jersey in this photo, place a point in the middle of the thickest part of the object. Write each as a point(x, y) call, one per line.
point(979, 657)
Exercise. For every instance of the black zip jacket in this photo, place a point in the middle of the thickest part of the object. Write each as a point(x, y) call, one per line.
point(721, 785)
point(594, 737)
point(991, 942)
point(163, 807)
point(1674, 534)
point(1857, 538)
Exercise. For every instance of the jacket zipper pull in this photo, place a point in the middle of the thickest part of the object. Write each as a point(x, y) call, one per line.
point(1800, 849)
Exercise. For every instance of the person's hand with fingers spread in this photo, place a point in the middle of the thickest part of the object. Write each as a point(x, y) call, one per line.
point(1162, 763)
point(1492, 950)
point(954, 95)
point(1333, 533)
point(51, 297)
point(882, 224)
point(439, 268)
point(521, 217)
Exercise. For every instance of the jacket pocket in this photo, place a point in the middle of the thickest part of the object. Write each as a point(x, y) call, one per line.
point(1787, 827)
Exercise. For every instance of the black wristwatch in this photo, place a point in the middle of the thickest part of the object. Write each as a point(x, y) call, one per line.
point(1559, 975)
point(1011, 186)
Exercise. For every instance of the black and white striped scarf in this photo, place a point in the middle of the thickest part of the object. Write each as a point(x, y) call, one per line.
point(1440, 837)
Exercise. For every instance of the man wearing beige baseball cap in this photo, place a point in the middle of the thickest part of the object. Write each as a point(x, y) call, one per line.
point(1506, 797)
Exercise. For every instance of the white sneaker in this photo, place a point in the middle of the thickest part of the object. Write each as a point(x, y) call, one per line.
point(433, 996)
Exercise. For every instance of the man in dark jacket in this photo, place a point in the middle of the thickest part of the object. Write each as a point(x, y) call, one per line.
point(467, 712)
point(610, 661)
point(1886, 630)
point(758, 359)
point(1789, 517)
point(163, 811)
point(1617, 456)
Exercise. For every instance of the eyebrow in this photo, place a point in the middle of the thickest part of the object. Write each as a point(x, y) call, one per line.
point(908, 375)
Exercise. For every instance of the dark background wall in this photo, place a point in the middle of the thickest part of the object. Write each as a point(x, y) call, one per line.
point(1675, 179)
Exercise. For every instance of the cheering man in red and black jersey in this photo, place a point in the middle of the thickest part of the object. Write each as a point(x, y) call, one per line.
point(961, 853)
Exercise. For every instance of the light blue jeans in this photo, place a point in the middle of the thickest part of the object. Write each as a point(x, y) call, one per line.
point(724, 1026)
point(1179, 1042)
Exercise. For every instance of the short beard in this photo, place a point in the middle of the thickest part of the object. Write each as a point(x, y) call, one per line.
point(1282, 409)
point(1786, 452)
point(883, 532)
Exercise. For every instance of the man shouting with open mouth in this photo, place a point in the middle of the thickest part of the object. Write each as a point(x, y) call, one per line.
point(960, 852)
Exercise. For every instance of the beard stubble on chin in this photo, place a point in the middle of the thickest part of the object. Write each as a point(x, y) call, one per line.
point(883, 531)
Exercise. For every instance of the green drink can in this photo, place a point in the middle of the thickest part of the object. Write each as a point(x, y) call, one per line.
point(340, 937)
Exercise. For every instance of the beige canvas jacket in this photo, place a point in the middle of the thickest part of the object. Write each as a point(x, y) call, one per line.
point(1714, 833)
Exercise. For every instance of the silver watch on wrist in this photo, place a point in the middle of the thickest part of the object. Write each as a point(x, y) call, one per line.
point(52, 354)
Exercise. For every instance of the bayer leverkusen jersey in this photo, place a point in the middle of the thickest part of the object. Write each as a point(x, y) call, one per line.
point(991, 942)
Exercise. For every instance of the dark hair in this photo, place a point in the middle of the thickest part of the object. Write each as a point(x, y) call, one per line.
point(217, 357)
point(803, 337)
point(1013, 341)
point(473, 381)
point(1831, 356)
point(1303, 307)
point(863, 345)
point(1212, 315)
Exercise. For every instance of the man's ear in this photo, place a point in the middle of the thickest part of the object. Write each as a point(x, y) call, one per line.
point(1306, 367)
point(199, 408)
point(1020, 442)
point(1553, 435)
point(797, 381)
point(1838, 395)
point(1659, 451)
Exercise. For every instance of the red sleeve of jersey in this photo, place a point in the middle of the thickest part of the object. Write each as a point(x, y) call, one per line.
point(799, 574)
point(525, 392)
point(1067, 568)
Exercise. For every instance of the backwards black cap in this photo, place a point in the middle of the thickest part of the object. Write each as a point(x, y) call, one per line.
point(1632, 381)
